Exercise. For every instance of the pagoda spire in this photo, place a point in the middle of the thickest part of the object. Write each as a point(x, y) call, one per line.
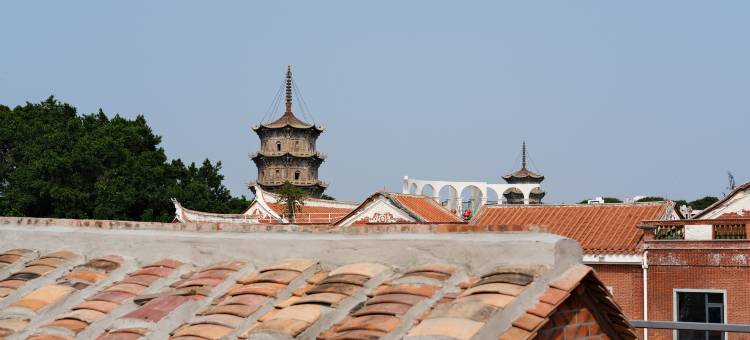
point(523, 155)
point(289, 89)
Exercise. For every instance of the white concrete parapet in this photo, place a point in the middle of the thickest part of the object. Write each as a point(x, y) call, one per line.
point(478, 190)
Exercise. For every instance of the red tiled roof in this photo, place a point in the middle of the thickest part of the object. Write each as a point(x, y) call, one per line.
point(739, 214)
point(599, 228)
point(313, 214)
point(422, 209)
point(426, 208)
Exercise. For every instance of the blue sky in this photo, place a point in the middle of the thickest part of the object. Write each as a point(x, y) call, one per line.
point(613, 98)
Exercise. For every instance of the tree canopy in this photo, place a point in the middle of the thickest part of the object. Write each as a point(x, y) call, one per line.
point(652, 199)
point(56, 163)
point(703, 203)
point(293, 198)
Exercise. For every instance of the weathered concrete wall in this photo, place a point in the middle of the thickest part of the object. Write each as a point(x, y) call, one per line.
point(476, 252)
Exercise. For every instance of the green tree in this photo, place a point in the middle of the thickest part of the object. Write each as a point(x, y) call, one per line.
point(293, 198)
point(56, 163)
point(652, 199)
point(703, 203)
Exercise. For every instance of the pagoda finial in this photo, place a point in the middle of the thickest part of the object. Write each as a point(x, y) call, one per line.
point(523, 155)
point(289, 89)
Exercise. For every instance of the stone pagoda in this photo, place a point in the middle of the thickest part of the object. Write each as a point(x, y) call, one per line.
point(523, 176)
point(287, 151)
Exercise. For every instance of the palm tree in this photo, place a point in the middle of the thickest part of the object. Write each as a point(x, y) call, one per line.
point(293, 198)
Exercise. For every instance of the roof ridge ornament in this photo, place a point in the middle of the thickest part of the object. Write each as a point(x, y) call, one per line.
point(523, 155)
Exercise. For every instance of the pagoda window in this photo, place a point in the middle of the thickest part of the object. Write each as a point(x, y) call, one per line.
point(277, 174)
point(278, 146)
point(296, 145)
point(297, 175)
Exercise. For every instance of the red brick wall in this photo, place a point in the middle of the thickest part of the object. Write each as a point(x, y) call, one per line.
point(722, 269)
point(571, 320)
point(627, 286)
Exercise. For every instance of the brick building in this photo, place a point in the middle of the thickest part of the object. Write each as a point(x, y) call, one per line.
point(611, 242)
point(698, 270)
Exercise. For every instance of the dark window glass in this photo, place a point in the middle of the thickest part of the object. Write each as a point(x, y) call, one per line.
point(700, 307)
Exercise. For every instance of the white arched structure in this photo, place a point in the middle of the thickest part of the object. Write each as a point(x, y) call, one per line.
point(456, 188)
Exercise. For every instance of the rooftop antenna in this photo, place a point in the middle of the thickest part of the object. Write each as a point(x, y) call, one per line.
point(289, 89)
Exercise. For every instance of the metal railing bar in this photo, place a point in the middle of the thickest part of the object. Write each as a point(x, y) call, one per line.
point(695, 326)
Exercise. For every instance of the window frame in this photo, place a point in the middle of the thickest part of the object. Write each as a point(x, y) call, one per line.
point(675, 312)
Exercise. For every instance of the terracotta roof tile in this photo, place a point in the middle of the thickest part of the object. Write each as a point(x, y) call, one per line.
point(387, 295)
point(599, 228)
point(447, 327)
point(426, 208)
point(365, 269)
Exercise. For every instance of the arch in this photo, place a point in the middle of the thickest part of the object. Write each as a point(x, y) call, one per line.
point(413, 189)
point(471, 198)
point(493, 197)
point(448, 197)
point(514, 195)
point(428, 190)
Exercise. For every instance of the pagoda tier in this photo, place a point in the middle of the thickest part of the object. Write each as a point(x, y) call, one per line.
point(261, 155)
point(288, 121)
point(523, 175)
point(287, 151)
point(314, 187)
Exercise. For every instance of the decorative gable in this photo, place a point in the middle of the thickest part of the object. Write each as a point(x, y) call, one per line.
point(378, 211)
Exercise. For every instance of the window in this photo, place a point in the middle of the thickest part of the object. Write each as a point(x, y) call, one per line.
point(278, 146)
point(697, 306)
point(296, 175)
point(296, 145)
point(278, 173)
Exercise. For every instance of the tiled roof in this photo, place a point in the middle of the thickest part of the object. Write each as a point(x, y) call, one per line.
point(266, 210)
point(288, 119)
point(313, 214)
point(599, 228)
point(429, 210)
point(523, 173)
point(417, 208)
point(266, 285)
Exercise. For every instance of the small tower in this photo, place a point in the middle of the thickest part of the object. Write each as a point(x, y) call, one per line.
point(523, 176)
point(287, 151)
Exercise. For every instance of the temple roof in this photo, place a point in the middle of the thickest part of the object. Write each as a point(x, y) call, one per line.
point(401, 208)
point(523, 174)
point(288, 119)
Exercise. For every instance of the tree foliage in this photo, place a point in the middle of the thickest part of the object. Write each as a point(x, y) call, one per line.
point(703, 203)
point(293, 198)
point(652, 199)
point(56, 163)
